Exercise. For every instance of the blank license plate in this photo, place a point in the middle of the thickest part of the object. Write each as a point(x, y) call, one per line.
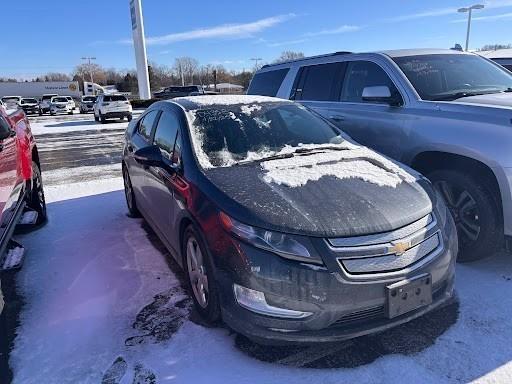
point(408, 295)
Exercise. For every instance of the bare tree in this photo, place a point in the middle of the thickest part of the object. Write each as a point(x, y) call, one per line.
point(56, 76)
point(288, 56)
point(495, 47)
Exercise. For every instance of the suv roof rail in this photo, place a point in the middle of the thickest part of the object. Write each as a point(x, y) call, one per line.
point(309, 58)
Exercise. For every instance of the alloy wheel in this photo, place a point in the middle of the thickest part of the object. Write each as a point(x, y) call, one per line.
point(197, 272)
point(464, 210)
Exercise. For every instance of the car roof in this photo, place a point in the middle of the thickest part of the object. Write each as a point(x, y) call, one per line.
point(191, 103)
point(421, 51)
point(390, 53)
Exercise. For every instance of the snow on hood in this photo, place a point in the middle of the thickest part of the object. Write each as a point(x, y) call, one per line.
point(354, 162)
point(208, 100)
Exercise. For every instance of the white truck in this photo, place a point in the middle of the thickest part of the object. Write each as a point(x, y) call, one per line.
point(38, 88)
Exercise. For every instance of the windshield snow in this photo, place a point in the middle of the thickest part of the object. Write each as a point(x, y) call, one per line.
point(229, 134)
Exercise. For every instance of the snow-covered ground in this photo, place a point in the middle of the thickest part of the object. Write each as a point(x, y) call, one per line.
point(103, 304)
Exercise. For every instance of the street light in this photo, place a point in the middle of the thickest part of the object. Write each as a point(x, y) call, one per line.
point(256, 59)
point(89, 66)
point(469, 10)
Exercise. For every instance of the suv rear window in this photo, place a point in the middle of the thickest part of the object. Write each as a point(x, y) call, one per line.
point(267, 83)
point(115, 98)
point(319, 82)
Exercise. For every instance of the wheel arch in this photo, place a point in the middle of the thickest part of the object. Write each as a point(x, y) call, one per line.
point(429, 161)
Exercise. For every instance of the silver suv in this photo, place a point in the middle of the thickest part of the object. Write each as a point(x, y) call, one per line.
point(448, 114)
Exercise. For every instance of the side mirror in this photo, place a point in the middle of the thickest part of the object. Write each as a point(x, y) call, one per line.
point(379, 94)
point(5, 129)
point(150, 156)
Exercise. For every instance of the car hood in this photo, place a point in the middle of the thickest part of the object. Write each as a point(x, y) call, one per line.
point(493, 99)
point(327, 206)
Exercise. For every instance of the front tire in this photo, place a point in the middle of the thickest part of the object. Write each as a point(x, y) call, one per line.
point(102, 119)
point(129, 117)
point(133, 211)
point(200, 275)
point(36, 199)
point(476, 213)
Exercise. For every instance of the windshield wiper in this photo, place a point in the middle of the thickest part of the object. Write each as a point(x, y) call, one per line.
point(458, 95)
point(307, 150)
point(273, 157)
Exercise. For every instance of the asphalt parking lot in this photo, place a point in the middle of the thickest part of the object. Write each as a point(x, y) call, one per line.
point(99, 300)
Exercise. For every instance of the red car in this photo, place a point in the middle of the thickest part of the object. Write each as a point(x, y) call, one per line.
point(21, 188)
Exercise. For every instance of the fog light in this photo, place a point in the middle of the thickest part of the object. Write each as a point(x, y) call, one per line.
point(255, 301)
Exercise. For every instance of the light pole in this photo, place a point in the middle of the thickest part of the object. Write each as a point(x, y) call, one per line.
point(256, 59)
point(89, 66)
point(139, 45)
point(469, 10)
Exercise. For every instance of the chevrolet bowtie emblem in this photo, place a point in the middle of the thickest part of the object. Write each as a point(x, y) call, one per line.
point(399, 247)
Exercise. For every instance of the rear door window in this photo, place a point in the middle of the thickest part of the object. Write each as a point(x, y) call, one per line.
point(146, 125)
point(166, 132)
point(320, 82)
point(361, 74)
point(267, 83)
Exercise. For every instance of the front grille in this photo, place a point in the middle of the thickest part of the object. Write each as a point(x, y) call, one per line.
point(378, 313)
point(390, 251)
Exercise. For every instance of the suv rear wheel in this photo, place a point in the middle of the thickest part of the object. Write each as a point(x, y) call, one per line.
point(475, 212)
point(133, 211)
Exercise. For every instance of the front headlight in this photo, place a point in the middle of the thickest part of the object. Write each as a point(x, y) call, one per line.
point(441, 209)
point(285, 245)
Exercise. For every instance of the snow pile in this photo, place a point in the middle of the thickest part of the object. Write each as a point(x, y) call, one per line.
point(208, 100)
point(249, 109)
point(356, 162)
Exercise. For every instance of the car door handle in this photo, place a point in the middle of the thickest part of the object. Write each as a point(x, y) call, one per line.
point(337, 117)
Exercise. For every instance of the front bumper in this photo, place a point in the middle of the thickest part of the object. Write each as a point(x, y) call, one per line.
point(343, 307)
point(31, 109)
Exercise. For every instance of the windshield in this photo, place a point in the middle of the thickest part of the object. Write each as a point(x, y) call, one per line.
point(48, 97)
point(59, 100)
point(451, 76)
point(28, 101)
point(89, 99)
point(10, 99)
point(228, 134)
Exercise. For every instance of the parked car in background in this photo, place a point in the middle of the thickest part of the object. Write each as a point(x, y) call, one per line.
point(112, 107)
point(44, 104)
point(287, 229)
point(87, 104)
point(12, 101)
point(29, 105)
point(21, 187)
point(178, 91)
point(60, 104)
point(501, 56)
point(71, 102)
point(443, 112)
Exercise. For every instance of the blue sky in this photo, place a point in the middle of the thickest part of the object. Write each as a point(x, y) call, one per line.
point(44, 36)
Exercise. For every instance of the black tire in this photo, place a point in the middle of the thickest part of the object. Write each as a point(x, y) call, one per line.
point(133, 211)
point(52, 113)
point(70, 113)
point(36, 199)
point(210, 310)
point(129, 117)
point(96, 118)
point(40, 113)
point(102, 119)
point(475, 212)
